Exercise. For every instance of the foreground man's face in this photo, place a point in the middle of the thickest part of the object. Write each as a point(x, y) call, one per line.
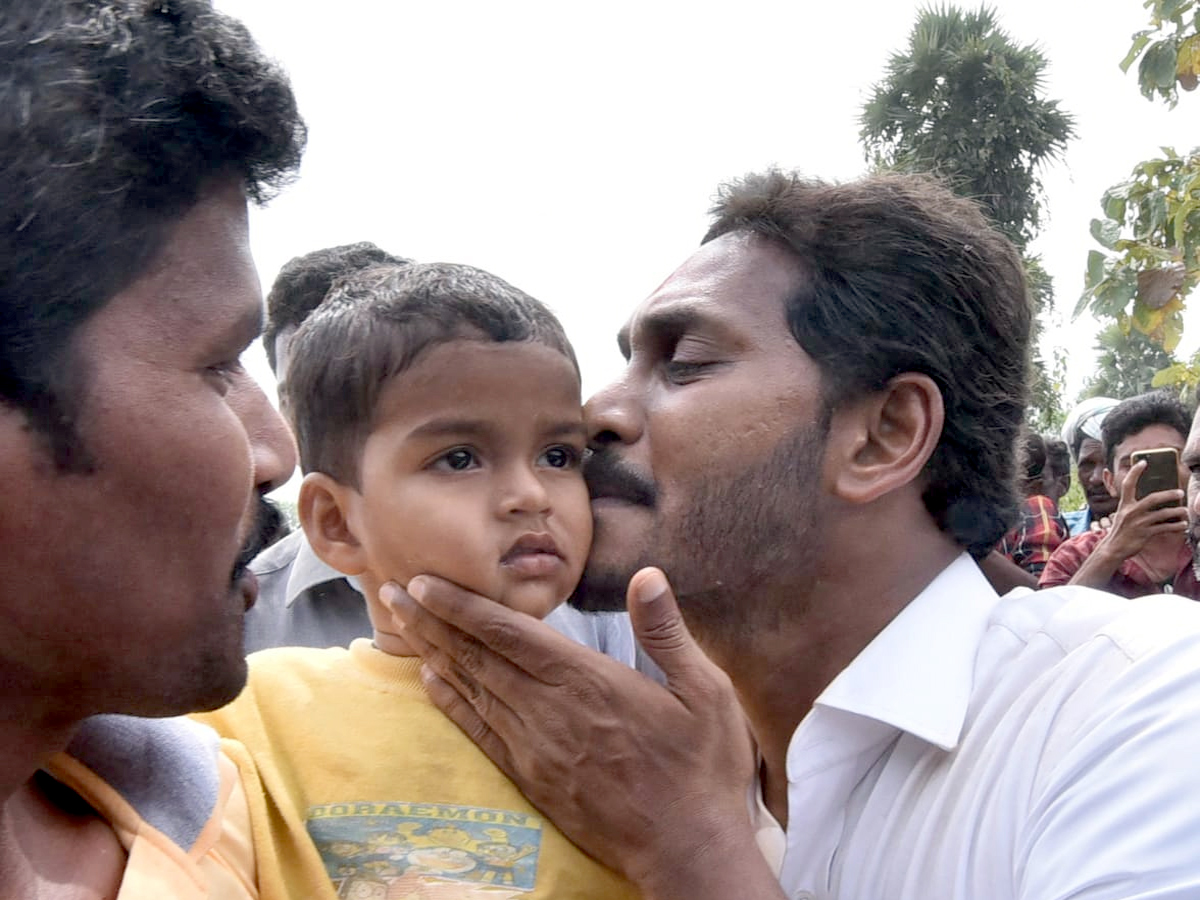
point(128, 599)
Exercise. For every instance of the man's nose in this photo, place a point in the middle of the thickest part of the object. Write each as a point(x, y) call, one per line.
point(272, 448)
point(615, 414)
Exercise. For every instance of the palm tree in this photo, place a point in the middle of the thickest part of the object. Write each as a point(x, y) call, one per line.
point(1126, 364)
point(964, 101)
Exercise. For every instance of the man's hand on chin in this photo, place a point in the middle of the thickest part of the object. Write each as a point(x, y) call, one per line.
point(650, 780)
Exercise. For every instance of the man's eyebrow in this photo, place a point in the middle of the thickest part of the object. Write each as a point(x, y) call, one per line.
point(664, 322)
point(1191, 457)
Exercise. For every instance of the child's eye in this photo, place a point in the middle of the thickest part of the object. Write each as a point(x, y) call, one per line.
point(560, 457)
point(458, 460)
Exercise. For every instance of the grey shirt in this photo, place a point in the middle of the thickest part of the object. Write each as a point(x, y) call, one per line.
point(304, 602)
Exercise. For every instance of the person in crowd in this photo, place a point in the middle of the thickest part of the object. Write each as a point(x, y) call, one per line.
point(1040, 529)
point(1144, 550)
point(1191, 463)
point(303, 601)
point(298, 289)
point(1081, 432)
point(815, 427)
point(1058, 459)
point(438, 417)
point(136, 449)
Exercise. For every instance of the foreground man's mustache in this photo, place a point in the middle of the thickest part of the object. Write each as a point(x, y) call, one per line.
point(269, 526)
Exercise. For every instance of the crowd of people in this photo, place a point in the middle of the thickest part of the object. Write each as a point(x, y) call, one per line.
point(756, 620)
point(1131, 537)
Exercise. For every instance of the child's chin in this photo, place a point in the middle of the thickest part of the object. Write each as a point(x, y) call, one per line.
point(532, 601)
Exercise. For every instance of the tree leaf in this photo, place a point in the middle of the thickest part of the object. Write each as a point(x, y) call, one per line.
point(1157, 69)
point(1140, 40)
point(1176, 373)
point(1172, 331)
point(1106, 232)
point(1167, 9)
point(1114, 293)
point(1157, 209)
point(1114, 207)
point(1147, 320)
point(1156, 287)
point(1095, 269)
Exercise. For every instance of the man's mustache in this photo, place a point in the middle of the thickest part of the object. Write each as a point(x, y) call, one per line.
point(269, 526)
point(607, 476)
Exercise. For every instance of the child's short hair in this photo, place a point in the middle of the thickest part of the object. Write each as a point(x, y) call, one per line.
point(372, 326)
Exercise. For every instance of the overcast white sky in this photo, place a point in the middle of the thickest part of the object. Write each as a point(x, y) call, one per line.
point(574, 148)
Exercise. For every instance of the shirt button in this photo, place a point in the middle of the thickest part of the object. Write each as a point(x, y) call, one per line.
point(804, 895)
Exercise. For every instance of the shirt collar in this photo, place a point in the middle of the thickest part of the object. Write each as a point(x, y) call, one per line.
point(309, 570)
point(917, 674)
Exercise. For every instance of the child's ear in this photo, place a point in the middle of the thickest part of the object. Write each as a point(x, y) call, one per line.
point(325, 507)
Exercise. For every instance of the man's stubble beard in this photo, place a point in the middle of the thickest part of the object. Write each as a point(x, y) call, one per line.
point(740, 537)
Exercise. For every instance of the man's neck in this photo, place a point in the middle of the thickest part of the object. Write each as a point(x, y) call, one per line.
point(779, 675)
point(52, 853)
point(29, 735)
point(1160, 557)
point(48, 849)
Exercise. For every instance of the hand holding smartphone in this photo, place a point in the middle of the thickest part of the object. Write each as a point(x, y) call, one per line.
point(1161, 472)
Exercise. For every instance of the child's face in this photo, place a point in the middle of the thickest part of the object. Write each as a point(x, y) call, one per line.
point(473, 474)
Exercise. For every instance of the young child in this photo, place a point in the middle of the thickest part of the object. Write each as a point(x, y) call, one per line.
point(438, 416)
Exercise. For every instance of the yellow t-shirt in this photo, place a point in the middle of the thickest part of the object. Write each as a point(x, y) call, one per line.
point(368, 791)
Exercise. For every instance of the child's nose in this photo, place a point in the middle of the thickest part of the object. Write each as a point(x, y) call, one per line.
point(524, 492)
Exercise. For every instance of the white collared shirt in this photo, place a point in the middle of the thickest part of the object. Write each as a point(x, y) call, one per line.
point(1037, 746)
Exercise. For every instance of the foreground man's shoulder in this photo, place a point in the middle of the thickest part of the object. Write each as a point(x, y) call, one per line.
point(173, 799)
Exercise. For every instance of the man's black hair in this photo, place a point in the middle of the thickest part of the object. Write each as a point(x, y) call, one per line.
point(902, 276)
point(114, 116)
point(1137, 414)
point(305, 281)
point(1058, 455)
point(1033, 457)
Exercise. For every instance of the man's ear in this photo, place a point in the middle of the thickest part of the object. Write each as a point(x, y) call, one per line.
point(326, 510)
point(881, 442)
point(1110, 482)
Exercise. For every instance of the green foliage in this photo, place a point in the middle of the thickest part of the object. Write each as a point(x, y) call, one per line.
point(1183, 377)
point(964, 101)
point(1127, 364)
point(1170, 50)
point(1074, 498)
point(1150, 230)
point(1047, 379)
point(1150, 233)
